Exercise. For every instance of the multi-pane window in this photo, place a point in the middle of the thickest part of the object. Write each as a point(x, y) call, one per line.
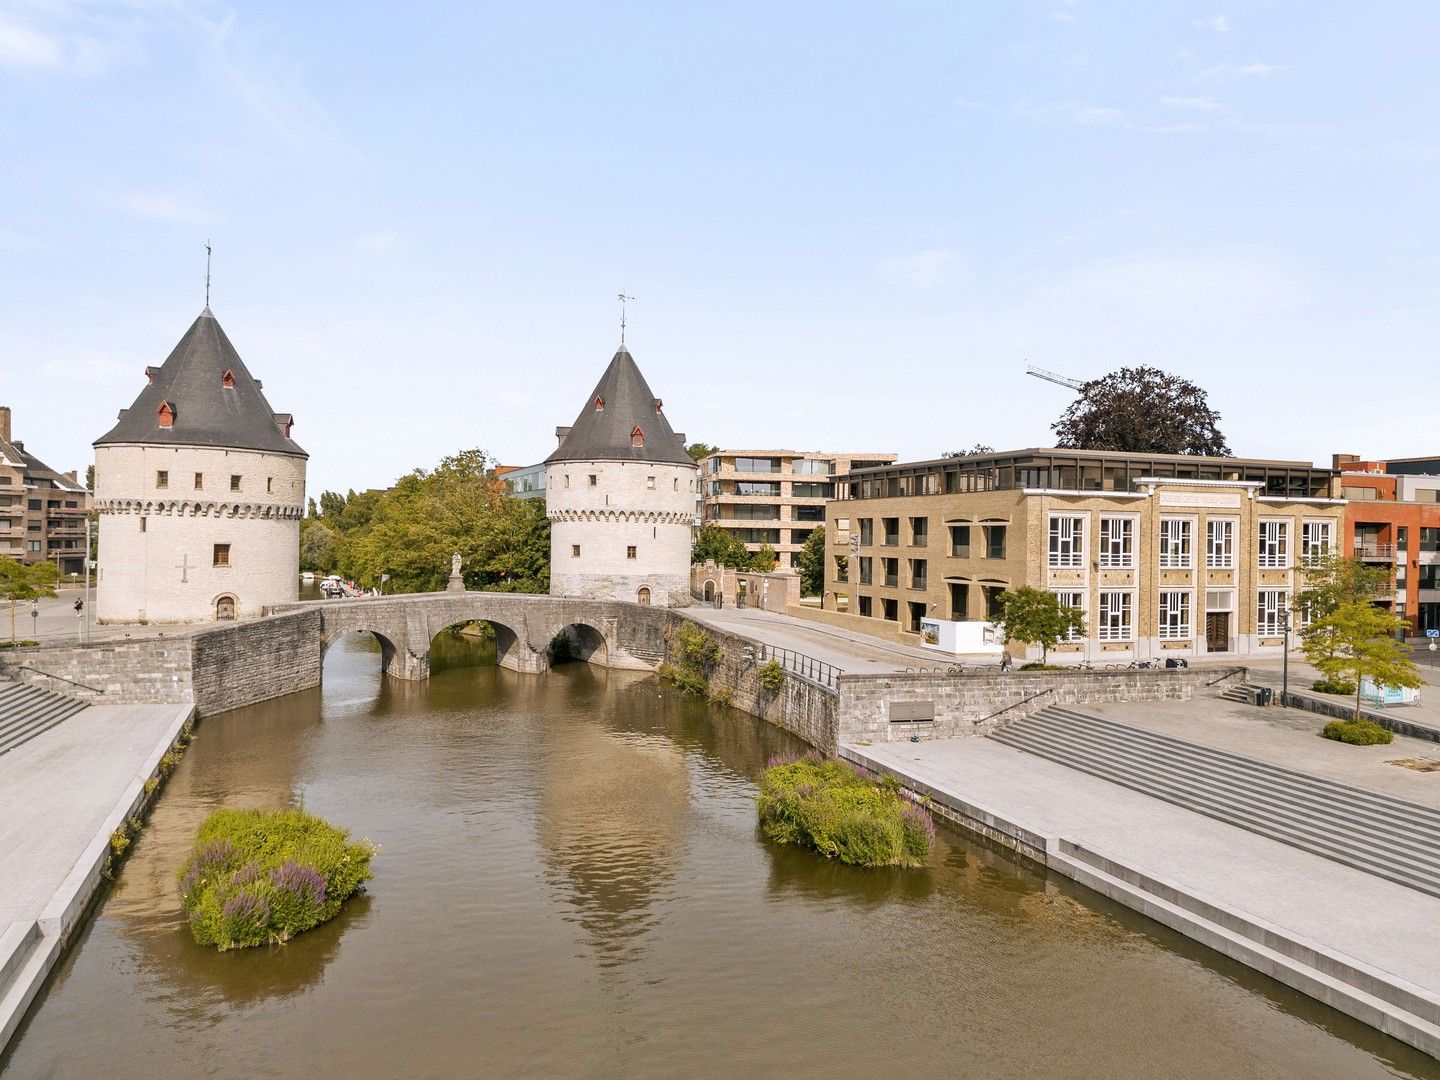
point(867, 531)
point(890, 609)
point(1175, 544)
point(1270, 613)
point(1314, 540)
point(892, 531)
point(630, 551)
point(960, 541)
point(1067, 541)
point(162, 480)
point(199, 481)
point(995, 541)
point(222, 555)
point(891, 568)
point(991, 595)
point(1076, 600)
point(842, 568)
point(867, 569)
point(1220, 544)
point(234, 481)
point(919, 531)
point(1117, 543)
point(1274, 545)
point(959, 601)
point(1116, 621)
point(1174, 614)
point(919, 573)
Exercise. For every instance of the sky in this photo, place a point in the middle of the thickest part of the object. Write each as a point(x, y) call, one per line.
point(845, 226)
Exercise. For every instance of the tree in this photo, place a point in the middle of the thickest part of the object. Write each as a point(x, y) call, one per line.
point(812, 564)
point(20, 582)
point(698, 450)
point(764, 560)
point(89, 477)
point(1354, 641)
point(1142, 410)
point(317, 542)
point(1331, 581)
point(978, 448)
point(721, 546)
point(1037, 616)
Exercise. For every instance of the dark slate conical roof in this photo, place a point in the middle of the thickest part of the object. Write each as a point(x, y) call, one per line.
point(207, 412)
point(606, 434)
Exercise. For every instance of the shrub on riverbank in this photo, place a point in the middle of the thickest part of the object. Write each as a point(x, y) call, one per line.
point(830, 808)
point(1360, 732)
point(263, 876)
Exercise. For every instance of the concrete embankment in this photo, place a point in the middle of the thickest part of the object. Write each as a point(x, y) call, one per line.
point(1357, 942)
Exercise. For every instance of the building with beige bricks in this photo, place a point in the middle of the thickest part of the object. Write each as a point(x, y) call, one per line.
point(200, 491)
point(775, 497)
point(1166, 556)
point(42, 511)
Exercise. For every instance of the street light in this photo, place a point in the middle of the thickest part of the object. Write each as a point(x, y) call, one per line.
point(35, 620)
point(1285, 665)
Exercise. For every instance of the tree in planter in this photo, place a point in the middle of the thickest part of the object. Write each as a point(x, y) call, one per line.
point(1142, 410)
point(1355, 640)
point(20, 582)
point(1037, 616)
point(812, 564)
point(1331, 581)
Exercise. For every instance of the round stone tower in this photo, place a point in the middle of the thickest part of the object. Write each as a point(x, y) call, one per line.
point(620, 495)
point(200, 491)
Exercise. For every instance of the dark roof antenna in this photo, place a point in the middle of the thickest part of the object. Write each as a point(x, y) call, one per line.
point(622, 298)
point(207, 275)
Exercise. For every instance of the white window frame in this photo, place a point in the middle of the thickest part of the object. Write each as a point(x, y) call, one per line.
point(1117, 543)
point(1273, 543)
point(1310, 550)
point(1067, 541)
point(1177, 532)
point(1073, 598)
point(1220, 543)
point(1175, 610)
point(1107, 626)
point(1270, 613)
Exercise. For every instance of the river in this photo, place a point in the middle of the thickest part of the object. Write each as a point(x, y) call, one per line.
point(571, 884)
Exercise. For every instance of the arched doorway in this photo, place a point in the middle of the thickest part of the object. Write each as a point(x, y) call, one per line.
point(225, 609)
point(710, 592)
point(643, 596)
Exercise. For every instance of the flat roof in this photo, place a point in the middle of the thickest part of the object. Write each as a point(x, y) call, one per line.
point(1009, 456)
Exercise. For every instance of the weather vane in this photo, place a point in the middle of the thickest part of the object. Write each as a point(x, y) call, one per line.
point(207, 273)
point(623, 298)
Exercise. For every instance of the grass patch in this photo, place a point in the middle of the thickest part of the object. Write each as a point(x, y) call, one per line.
point(833, 809)
point(1035, 665)
point(17, 644)
point(1416, 763)
point(262, 876)
point(1334, 686)
point(1357, 732)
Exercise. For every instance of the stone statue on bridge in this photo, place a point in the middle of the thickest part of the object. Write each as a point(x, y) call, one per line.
point(456, 583)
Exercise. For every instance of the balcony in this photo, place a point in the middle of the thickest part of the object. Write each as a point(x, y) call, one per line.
point(1374, 551)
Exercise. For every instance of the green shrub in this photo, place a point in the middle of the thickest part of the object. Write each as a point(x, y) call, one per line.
point(1036, 665)
point(695, 655)
point(17, 644)
point(771, 676)
point(1334, 686)
point(830, 808)
point(263, 876)
point(722, 696)
point(119, 841)
point(690, 683)
point(1360, 732)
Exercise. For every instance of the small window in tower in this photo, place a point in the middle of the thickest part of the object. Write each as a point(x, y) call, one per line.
point(234, 481)
point(269, 484)
point(677, 483)
point(637, 437)
point(165, 415)
point(599, 404)
point(228, 380)
point(199, 481)
point(594, 480)
point(222, 554)
point(162, 478)
point(143, 522)
point(630, 552)
point(649, 483)
point(567, 479)
point(574, 551)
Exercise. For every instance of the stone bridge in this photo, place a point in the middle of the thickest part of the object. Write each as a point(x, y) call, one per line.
point(609, 633)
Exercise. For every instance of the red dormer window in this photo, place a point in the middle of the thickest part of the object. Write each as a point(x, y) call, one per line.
point(637, 437)
point(599, 404)
point(165, 415)
point(228, 380)
point(658, 406)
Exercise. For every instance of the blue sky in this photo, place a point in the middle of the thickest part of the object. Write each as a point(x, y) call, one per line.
point(846, 226)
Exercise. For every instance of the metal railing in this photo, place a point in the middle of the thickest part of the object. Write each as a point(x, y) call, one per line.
point(1374, 551)
point(50, 675)
point(807, 667)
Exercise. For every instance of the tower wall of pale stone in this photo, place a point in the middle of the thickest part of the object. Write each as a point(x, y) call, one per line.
point(649, 506)
point(157, 544)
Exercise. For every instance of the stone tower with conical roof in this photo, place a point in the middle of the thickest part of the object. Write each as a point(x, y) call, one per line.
point(200, 491)
point(620, 495)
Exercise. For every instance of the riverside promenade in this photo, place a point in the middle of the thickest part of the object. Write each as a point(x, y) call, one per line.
point(62, 794)
point(1362, 944)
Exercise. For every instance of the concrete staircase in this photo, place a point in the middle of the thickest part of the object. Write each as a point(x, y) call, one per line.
point(1384, 836)
point(26, 711)
point(1239, 692)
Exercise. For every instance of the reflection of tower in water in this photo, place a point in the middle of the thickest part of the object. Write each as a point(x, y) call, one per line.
point(614, 806)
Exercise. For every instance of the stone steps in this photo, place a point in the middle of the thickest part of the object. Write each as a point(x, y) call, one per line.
point(1390, 838)
point(27, 711)
point(1239, 692)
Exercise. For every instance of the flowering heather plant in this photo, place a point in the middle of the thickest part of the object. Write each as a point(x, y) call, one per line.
point(260, 877)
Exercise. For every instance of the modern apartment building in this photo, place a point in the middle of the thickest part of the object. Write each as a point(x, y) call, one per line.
point(42, 512)
point(1167, 556)
point(1392, 518)
point(775, 497)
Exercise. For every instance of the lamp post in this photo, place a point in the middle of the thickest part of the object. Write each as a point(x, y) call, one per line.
point(1285, 665)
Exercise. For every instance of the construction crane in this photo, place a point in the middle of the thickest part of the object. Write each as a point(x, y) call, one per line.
point(1050, 376)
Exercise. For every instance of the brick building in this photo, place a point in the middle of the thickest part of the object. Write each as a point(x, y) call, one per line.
point(42, 511)
point(1167, 556)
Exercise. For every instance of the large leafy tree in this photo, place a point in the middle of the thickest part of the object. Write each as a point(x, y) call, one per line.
point(1036, 616)
point(812, 564)
point(978, 448)
point(317, 543)
point(1142, 410)
point(1331, 581)
point(21, 582)
point(698, 450)
point(1356, 639)
point(721, 546)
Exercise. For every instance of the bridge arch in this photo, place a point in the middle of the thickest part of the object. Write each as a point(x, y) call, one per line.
point(391, 656)
point(581, 641)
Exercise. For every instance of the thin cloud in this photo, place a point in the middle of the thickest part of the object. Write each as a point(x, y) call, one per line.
point(923, 270)
point(1250, 71)
point(1063, 17)
point(1261, 70)
point(1197, 104)
point(1219, 23)
point(22, 47)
